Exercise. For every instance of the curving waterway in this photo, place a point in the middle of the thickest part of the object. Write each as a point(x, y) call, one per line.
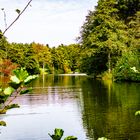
point(81, 106)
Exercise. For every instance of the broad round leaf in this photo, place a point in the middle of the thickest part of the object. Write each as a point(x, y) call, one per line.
point(30, 78)
point(137, 113)
point(26, 91)
point(8, 91)
point(21, 74)
point(12, 106)
point(15, 79)
point(2, 123)
point(1, 89)
point(14, 85)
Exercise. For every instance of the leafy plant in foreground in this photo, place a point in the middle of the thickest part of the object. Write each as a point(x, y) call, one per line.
point(58, 134)
point(137, 113)
point(2, 123)
point(17, 86)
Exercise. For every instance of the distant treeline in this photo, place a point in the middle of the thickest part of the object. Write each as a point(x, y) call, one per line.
point(36, 57)
point(109, 44)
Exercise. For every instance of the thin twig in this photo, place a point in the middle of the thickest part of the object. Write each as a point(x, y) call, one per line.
point(5, 22)
point(17, 17)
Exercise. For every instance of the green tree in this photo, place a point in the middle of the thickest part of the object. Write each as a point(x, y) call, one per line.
point(4, 45)
point(128, 8)
point(134, 32)
point(93, 62)
point(104, 33)
point(42, 55)
point(74, 54)
point(66, 58)
point(128, 66)
point(61, 59)
point(23, 55)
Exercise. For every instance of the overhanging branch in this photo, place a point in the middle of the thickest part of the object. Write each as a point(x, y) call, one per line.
point(17, 17)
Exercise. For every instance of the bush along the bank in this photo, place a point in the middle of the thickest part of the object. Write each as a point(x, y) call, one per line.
point(127, 68)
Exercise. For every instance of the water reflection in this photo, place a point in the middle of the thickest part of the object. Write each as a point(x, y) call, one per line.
point(82, 106)
point(109, 109)
point(53, 103)
point(58, 80)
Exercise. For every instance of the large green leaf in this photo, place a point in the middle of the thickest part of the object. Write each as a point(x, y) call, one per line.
point(2, 123)
point(1, 89)
point(58, 133)
point(3, 97)
point(12, 106)
point(29, 79)
point(26, 91)
point(8, 91)
point(15, 79)
point(14, 85)
point(137, 113)
point(21, 74)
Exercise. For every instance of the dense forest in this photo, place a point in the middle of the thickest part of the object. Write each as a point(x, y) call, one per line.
point(108, 46)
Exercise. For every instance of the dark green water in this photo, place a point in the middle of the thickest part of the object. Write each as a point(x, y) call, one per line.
point(81, 106)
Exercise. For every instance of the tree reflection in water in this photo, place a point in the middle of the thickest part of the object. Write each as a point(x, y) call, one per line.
point(84, 105)
point(109, 108)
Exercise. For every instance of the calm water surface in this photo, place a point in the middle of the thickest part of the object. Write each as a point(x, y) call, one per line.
point(81, 106)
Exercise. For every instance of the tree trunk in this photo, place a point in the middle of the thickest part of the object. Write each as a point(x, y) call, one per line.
point(109, 63)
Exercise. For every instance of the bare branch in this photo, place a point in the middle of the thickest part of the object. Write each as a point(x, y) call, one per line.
point(17, 17)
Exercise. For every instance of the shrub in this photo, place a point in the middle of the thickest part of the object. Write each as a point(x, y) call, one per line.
point(127, 68)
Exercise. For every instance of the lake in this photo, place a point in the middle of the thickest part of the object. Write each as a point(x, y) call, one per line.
point(81, 106)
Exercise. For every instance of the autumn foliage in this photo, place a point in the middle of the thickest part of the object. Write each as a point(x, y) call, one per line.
point(6, 67)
